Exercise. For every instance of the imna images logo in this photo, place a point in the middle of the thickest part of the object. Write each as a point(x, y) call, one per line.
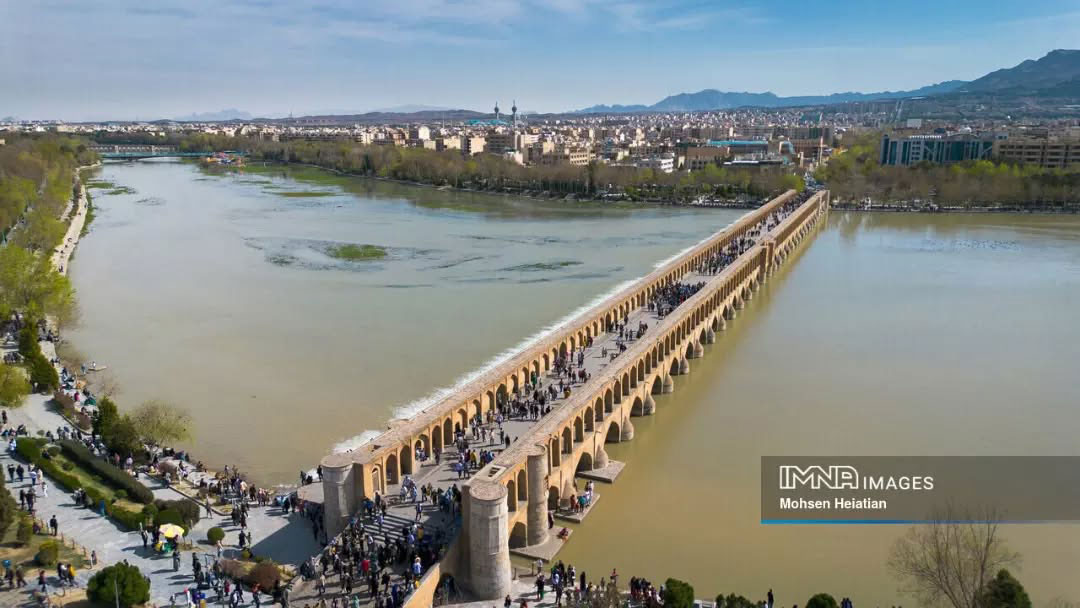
point(832, 477)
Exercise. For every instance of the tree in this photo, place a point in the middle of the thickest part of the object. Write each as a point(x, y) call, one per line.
point(160, 423)
point(42, 373)
point(29, 283)
point(119, 582)
point(822, 600)
point(106, 417)
point(678, 594)
point(1004, 591)
point(951, 559)
point(13, 385)
point(123, 436)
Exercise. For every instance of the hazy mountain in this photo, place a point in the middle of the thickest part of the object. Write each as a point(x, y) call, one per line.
point(1055, 68)
point(412, 108)
point(230, 114)
point(712, 99)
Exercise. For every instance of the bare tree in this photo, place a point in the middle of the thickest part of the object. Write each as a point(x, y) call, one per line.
point(951, 559)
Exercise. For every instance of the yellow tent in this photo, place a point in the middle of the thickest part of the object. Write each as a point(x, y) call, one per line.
point(171, 530)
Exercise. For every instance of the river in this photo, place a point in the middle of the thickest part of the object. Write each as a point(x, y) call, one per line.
point(889, 334)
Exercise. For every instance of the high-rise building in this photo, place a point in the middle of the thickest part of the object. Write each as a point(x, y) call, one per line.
point(935, 149)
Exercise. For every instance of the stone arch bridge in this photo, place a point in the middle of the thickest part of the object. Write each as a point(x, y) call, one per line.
point(506, 503)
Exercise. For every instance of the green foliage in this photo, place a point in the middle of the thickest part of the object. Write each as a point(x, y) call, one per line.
point(822, 600)
point(29, 283)
point(14, 385)
point(122, 582)
point(215, 535)
point(24, 532)
point(188, 510)
point(113, 476)
point(159, 423)
point(48, 554)
point(358, 252)
point(733, 601)
point(678, 594)
point(170, 516)
point(106, 417)
point(1004, 591)
point(43, 373)
point(9, 511)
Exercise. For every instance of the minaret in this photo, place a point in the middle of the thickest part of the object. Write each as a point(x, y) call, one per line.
point(513, 113)
point(496, 111)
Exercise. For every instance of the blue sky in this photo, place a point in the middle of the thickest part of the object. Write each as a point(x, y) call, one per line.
point(123, 59)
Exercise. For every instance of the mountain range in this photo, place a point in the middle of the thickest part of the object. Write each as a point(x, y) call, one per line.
point(1057, 74)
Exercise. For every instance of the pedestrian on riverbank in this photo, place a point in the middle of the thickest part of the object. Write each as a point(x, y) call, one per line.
point(54, 525)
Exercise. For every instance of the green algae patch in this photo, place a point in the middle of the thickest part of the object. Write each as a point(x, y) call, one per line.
point(357, 253)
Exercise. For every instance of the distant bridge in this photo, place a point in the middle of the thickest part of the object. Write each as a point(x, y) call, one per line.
point(135, 151)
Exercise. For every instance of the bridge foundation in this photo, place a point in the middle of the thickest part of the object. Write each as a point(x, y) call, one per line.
point(337, 487)
point(739, 304)
point(710, 336)
point(649, 406)
point(684, 366)
point(627, 429)
point(489, 540)
point(699, 350)
point(601, 459)
point(537, 472)
point(669, 384)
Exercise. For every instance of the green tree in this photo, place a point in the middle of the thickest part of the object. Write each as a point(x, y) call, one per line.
point(160, 423)
point(43, 374)
point(1004, 591)
point(678, 594)
point(822, 600)
point(121, 583)
point(123, 436)
point(29, 284)
point(107, 415)
point(14, 385)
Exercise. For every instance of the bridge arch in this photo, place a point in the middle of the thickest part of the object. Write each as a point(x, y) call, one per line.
point(585, 462)
point(567, 441)
point(522, 486)
point(392, 469)
point(613, 434)
point(519, 536)
point(579, 430)
point(511, 496)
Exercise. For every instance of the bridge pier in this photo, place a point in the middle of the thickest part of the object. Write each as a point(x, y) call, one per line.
point(599, 462)
point(337, 489)
point(730, 313)
point(721, 324)
point(710, 336)
point(669, 384)
point(489, 540)
point(699, 350)
point(627, 429)
point(684, 366)
point(650, 406)
point(537, 473)
point(739, 304)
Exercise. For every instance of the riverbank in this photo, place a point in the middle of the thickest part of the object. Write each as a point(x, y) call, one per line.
point(925, 208)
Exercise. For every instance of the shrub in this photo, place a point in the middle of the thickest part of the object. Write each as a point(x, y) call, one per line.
point(265, 575)
point(48, 554)
point(822, 600)
point(215, 535)
point(169, 516)
point(189, 511)
point(120, 494)
point(114, 476)
point(120, 579)
point(53, 450)
point(67, 466)
point(8, 509)
point(25, 532)
point(678, 594)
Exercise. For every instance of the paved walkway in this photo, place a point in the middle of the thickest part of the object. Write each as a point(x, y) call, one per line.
point(62, 255)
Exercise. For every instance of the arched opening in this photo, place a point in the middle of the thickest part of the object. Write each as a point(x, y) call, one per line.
point(640, 371)
point(547, 362)
point(448, 432)
point(518, 536)
point(690, 351)
point(391, 469)
point(511, 496)
point(579, 429)
point(657, 386)
point(562, 349)
point(625, 384)
point(490, 401)
point(405, 458)
point(478, 414)
point(589, 419)
point(500, 395)
point(674, 371)
point(462, 421)
point(585, 462)
point(556, 459)
point(567, 441)
point(613, 435)
point(422, 443)
point(522, 486)
point(637, 409)
point(553, 499)
point(514, 384)
point(607, 401)
point(436, 439)
point(377, 480)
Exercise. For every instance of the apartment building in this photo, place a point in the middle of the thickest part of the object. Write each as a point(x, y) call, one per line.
point(1048, 152)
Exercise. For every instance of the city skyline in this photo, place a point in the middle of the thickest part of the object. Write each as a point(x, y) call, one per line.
point(270, 59)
